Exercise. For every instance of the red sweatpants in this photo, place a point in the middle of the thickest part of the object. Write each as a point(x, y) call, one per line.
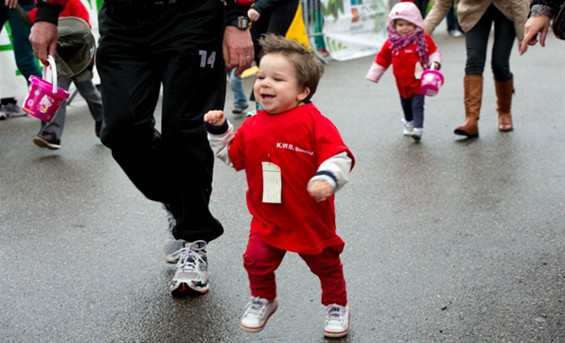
point(261, 260)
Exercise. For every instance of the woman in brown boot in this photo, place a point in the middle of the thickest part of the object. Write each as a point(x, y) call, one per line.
point(476, 17)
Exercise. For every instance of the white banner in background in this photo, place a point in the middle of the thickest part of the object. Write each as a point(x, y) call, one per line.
point(354, 28)
point(12, 83)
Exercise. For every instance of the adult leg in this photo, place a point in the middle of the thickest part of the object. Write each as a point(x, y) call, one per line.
point(130, 90)
point(23, 52)
point(56, 126)
point(93, 99)
point(193, 82)
point(139, 49)
point(239, 98)
point(504, 35)
point(422, 6)
point(476, 41)
point(281, 17)
point(91, 95)
point(276, 20)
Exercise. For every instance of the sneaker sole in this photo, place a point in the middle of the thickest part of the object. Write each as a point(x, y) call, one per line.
point(257, 329)
point(331, 334)
point(183, 289)
point(336, 334)
point(42, 143)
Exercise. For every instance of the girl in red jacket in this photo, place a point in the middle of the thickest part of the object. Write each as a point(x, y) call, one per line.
point(410, 51)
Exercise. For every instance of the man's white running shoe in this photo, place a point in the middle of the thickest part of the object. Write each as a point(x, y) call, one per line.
point(337, 321)
point(191, 277)
point(171, 246)
point(257, 313)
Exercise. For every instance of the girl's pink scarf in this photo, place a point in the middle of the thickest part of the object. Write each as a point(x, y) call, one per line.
point(401, 41)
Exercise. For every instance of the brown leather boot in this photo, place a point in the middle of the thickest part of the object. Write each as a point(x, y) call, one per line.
point(504, 92)
point(473, 89)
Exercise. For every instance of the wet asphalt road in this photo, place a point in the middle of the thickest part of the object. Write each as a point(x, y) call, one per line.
point(448, 240)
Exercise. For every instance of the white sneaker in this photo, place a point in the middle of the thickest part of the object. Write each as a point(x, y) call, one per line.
point(417, 134)
point(257, 313)
point(171, 246)
point(337, 321)
point(191, 277)
point(408, 127)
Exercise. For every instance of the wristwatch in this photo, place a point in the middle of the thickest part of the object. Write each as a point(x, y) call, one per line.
point(241, 22)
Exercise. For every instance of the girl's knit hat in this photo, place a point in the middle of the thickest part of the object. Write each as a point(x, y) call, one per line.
point(407, 11)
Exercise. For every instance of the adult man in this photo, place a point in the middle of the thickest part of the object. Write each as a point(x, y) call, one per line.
point(177, 45)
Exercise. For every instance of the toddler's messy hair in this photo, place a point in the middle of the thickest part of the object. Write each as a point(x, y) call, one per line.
point(309, 69)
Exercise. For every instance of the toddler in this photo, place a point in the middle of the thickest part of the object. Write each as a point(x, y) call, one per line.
point(295, 160)
point(410, 51)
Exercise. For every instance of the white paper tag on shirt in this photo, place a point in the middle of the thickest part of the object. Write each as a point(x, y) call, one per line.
point(271, 183)
point(418, 71)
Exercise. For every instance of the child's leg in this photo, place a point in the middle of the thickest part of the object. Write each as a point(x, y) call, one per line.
point(418, 110)
point(261, 260)
point(407, 108)
point(328, 267)
point(57, 125)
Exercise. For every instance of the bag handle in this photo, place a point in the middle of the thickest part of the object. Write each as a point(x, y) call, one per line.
point(51, 69)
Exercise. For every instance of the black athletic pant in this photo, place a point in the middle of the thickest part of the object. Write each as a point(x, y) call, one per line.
point(179, 48)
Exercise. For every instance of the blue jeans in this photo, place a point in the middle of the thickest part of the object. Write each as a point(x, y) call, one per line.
point(23, 52)
point(236, 86)
point(413, 108)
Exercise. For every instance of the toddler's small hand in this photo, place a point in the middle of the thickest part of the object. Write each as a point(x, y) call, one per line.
point(320, 190)
point(253, 14)
point(215, 117)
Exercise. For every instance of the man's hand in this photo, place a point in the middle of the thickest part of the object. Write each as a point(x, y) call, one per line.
point(11, 3)
point(43, 38)
point(238, 49)
point(534, 25)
